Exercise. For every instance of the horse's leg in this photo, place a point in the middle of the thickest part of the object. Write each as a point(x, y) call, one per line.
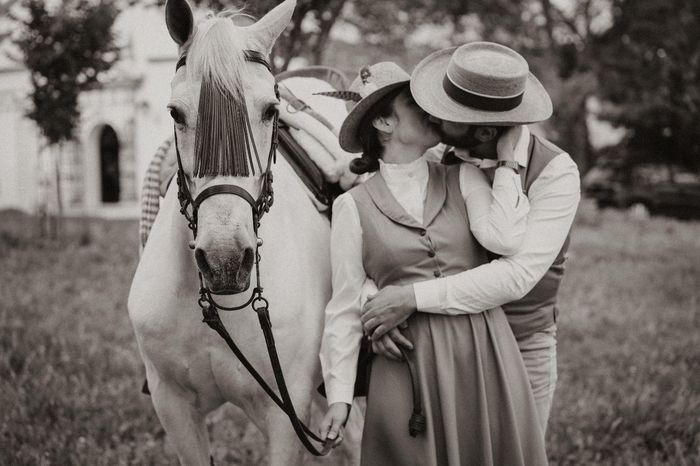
point(183, 423)
point(283, 445)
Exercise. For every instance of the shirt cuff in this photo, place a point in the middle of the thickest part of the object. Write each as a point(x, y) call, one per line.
point(428, 295)
point(509, 183)
point(506, 177)
point(338, 392)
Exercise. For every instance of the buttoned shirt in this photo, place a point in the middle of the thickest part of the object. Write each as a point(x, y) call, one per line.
point(497, 218)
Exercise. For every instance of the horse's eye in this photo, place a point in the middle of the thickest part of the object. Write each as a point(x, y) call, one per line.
point(270, 112)
point(177, 116)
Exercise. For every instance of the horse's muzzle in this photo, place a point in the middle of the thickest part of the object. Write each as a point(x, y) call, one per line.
point(226, 272)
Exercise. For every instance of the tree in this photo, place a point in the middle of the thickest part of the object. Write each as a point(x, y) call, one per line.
point(649, 69)
point(307, 35)
point(66, 50)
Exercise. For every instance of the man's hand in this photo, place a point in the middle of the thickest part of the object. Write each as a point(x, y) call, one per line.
point(333, 423)
point(507, 142)
point(387, 309)
point(388, 344)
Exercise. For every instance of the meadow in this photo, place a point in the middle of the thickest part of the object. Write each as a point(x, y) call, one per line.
point(70, 374)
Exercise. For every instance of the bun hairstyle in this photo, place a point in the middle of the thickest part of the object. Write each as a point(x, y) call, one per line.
point(372, 147)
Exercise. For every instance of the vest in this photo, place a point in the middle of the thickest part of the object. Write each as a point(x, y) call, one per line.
point(397, 249)
point(538, 310)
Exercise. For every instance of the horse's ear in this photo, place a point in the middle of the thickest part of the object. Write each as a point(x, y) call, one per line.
point(270, 26)
point(180, 20)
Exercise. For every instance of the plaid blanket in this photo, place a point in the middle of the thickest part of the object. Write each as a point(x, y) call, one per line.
point(150, 193)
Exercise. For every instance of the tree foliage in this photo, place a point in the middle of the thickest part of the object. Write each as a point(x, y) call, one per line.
point(307, 35)
point(649, 68)
point(65, 51)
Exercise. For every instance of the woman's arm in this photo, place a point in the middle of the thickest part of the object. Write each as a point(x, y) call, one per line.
point(498, 215)
point(342, 332)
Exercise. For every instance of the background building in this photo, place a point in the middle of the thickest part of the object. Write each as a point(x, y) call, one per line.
point(121, 126)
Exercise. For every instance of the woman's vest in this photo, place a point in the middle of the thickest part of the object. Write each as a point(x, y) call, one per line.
point(397, 249)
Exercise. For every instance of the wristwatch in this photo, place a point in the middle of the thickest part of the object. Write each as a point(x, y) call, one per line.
point(510, 164)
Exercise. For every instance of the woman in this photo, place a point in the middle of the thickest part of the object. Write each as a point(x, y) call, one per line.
point(412, 221)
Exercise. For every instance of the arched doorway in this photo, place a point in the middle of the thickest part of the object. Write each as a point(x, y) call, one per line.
point(109, 165)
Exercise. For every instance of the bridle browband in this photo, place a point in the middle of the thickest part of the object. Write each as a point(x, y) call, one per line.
point(210, 308)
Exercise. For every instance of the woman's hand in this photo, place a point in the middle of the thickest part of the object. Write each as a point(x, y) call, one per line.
point(505, 147)
point(333, 423)
point(387, 309)
point(388, 344)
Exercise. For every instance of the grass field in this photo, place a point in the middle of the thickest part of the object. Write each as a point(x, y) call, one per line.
point(629, 350)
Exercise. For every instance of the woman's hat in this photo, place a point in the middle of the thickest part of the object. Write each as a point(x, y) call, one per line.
point(480, 83)
point(372, 83)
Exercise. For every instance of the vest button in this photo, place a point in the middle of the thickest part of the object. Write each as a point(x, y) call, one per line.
point(436, 273)
point(431, 253)
point(423, 232)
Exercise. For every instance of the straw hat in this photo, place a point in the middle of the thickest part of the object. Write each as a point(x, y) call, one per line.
point(372, 83)
point(480, 83)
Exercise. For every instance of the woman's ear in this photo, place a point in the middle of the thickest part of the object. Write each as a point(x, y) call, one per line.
point(486, 133)
point(384, 125)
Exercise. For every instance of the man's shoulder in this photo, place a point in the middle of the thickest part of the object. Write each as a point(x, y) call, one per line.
point(546, 146)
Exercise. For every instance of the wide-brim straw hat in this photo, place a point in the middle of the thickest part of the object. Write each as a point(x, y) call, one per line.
point(480, 83)
point(371, 85)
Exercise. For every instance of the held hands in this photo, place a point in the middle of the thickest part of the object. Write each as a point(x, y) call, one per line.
point(387, 309)
point(507, 142)
point(388, 344)
point(333, 423)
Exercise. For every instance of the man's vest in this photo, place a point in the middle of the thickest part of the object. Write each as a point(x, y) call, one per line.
point(538, 310)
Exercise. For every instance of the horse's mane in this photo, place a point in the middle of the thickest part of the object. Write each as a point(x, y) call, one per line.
point(216, 52)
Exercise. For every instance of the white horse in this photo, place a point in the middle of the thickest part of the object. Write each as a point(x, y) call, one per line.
point(189, 368)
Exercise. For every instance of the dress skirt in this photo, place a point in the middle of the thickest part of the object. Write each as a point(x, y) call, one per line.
point(476, 398)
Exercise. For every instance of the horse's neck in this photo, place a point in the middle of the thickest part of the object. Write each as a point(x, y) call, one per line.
point(292, 213)
point(168, 242)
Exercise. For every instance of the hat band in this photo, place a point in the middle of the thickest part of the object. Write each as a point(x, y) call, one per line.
point(477, 101)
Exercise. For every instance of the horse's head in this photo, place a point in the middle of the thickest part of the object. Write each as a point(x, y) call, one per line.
point(224, 107)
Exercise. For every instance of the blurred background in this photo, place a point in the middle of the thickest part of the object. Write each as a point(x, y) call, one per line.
point(83, 90)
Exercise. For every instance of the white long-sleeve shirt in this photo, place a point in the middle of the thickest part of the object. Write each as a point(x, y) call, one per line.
point(497, 218)
point(554, 197)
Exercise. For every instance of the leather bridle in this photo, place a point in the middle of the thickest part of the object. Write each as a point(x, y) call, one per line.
point(189, 208)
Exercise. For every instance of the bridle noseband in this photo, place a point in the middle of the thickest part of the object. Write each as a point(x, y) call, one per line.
point(189, 208)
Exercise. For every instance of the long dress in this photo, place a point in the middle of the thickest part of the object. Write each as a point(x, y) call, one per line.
point(476, 394)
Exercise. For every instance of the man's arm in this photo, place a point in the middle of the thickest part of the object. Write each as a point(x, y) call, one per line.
point(554, 198)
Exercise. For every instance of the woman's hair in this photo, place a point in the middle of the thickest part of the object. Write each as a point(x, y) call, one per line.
point(372, 147)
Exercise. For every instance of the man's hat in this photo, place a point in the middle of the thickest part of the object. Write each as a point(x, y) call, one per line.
point(480, 83)
point(372, 83)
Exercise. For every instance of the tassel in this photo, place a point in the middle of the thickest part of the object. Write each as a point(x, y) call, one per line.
point(224, 136)
point(416, 425)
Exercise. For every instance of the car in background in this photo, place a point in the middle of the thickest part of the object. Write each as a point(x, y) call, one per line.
point(660, 189)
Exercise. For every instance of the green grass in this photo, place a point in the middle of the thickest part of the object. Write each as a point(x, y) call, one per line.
point(629, 350)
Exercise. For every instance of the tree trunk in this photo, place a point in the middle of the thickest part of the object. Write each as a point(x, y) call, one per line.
point(321, 40)
point(58, 225)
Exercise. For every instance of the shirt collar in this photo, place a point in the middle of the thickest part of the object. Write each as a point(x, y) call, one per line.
point(521, 153)
point(393, 170)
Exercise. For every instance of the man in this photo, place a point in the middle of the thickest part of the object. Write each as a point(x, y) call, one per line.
point(479, 93)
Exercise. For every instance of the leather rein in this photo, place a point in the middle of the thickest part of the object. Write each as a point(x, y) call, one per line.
point(189, 207)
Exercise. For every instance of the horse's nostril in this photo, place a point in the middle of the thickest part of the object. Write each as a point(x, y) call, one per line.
point(248, 258)
point(201, 258)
